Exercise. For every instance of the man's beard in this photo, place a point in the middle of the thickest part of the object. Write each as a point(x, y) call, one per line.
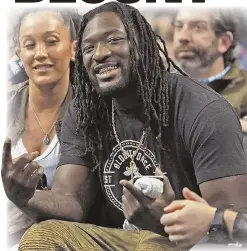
point(201, 60)
point(116, 90)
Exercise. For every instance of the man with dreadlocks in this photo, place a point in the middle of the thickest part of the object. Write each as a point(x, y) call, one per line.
point(129, 117)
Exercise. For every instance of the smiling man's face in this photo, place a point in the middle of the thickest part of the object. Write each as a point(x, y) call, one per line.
point(106, 53)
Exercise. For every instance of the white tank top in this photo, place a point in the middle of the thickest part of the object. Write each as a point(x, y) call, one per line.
point(48, 160)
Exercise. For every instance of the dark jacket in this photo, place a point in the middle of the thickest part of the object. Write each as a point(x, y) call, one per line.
point(18, 99)
point(233, 87)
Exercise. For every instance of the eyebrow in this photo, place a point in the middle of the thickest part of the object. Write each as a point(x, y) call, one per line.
point(192, 21)
point(46, 33)
point(105, 33)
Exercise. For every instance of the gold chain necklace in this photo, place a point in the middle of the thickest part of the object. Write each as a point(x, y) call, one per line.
point(141, 142)
point(46, 139)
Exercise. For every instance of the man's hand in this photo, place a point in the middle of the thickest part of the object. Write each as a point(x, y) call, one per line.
point(20, 178)
point(187, 221)
point(142, 211)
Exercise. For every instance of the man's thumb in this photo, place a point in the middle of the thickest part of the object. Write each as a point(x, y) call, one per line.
point(190, 195)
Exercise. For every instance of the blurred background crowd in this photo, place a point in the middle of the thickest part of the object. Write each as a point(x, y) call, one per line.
point(161, 20)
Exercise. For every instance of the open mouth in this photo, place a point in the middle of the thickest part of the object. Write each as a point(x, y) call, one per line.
point(43, 67)
point(106, 71)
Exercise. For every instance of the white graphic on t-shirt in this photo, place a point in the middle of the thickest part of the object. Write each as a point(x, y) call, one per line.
point(117, 167)
point(134, 169)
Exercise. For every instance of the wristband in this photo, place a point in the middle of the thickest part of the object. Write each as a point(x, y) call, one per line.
point(218, 232)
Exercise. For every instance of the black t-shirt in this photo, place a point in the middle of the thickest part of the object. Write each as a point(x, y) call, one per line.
point(204, 142)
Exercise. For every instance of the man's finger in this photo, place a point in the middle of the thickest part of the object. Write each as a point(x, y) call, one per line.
point(34, 155)
point(176, 238)
point(133, 190)
point(169, 219)
point(36, 177)
point(175, 205)
point(158, 172)
point(132, 201)
point(30, 169)
point(173, 229)
point(25, 159)
point(6, 156)
point(167, 188)
point(126, 207)
point(190, 195)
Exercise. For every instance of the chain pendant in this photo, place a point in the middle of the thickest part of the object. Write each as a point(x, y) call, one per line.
point(132, 167)
point(46, 140)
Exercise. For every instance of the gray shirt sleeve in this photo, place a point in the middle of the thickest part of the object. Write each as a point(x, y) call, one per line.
point(216, 143)
point(72, 145)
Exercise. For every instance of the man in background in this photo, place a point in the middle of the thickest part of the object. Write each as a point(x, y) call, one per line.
point(204, 43)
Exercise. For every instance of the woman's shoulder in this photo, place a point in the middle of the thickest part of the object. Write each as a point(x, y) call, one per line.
point(16, 89)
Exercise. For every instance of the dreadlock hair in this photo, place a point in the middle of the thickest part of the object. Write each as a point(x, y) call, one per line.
point(93, 116)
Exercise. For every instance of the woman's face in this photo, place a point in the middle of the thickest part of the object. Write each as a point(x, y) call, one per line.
point(45, 47)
